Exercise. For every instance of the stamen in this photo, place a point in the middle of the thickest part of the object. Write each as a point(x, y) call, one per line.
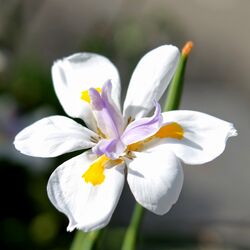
point(94, 139)
point(129, 120)
point(85, 94)
point(100, 133)
point(130, 155)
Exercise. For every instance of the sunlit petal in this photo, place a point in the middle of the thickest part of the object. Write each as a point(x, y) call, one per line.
point(149, 80)
point(77, 73)
point(87, 206)
point(204, 136)
point(53, 136)
point(155, 179)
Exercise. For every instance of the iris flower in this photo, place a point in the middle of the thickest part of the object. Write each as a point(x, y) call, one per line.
point(146, 149)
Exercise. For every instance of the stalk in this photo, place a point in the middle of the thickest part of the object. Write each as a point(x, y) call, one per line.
point(131, 234)
point(85, 241)
point(175, 89)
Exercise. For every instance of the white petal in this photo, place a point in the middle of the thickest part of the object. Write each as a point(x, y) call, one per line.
point(78, 73)
point(155, 179)
point(204, 139)
point(53, 136)
point(87, 207)
point(149, 80)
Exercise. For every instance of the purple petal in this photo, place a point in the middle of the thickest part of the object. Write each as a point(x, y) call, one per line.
point(143, 128)
point(114, 112)
point(111, 148)
point(96, 100)
point(108, 117)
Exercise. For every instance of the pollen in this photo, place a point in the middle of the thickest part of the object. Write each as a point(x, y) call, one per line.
point(85, 94)
point(95, 173)
point(172, 130)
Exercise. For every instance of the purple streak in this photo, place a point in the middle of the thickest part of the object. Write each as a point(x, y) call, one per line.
point(143, 128)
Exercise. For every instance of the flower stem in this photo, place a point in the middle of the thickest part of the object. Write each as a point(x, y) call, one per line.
point(85, 241)
point(131, 235)
point(176, 86)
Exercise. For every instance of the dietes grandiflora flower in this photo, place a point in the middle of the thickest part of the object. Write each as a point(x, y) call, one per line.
point(145, 150)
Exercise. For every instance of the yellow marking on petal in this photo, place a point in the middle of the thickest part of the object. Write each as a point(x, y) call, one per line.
point(95, 173)
point(137, 146)
point(171, 130)
point(85, 94)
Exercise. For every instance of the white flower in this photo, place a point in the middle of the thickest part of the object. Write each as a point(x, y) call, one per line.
point(87, 187)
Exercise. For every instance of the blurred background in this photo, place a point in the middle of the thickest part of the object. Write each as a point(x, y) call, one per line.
point(213, 211)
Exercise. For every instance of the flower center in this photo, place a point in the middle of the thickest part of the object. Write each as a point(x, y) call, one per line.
point(115, 143)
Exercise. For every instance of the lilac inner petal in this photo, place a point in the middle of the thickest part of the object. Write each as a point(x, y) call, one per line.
point(108, 117)
point(114, 112)
point(111, 148)
point(143, 128)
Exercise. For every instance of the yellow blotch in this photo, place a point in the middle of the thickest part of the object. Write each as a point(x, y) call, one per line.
point(172, 130)
point(137, 146)
point(95, 173)
point(85, 94)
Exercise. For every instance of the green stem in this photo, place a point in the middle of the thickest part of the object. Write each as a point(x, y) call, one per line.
point(176, 86)
point(84, 241)
point(131, 235)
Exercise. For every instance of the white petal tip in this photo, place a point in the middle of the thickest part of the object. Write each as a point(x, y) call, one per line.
point(70, 228)
point(20, 147)
point(161, 213)
point(233, 132)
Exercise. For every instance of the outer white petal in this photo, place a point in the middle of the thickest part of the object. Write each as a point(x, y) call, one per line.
point(149, 80)
point(87, 207)
point(53, 136)
point(78, 73)
point(155, 179)
point(204, 139)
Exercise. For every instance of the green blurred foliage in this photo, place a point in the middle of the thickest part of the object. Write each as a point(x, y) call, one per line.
point(31, 85)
